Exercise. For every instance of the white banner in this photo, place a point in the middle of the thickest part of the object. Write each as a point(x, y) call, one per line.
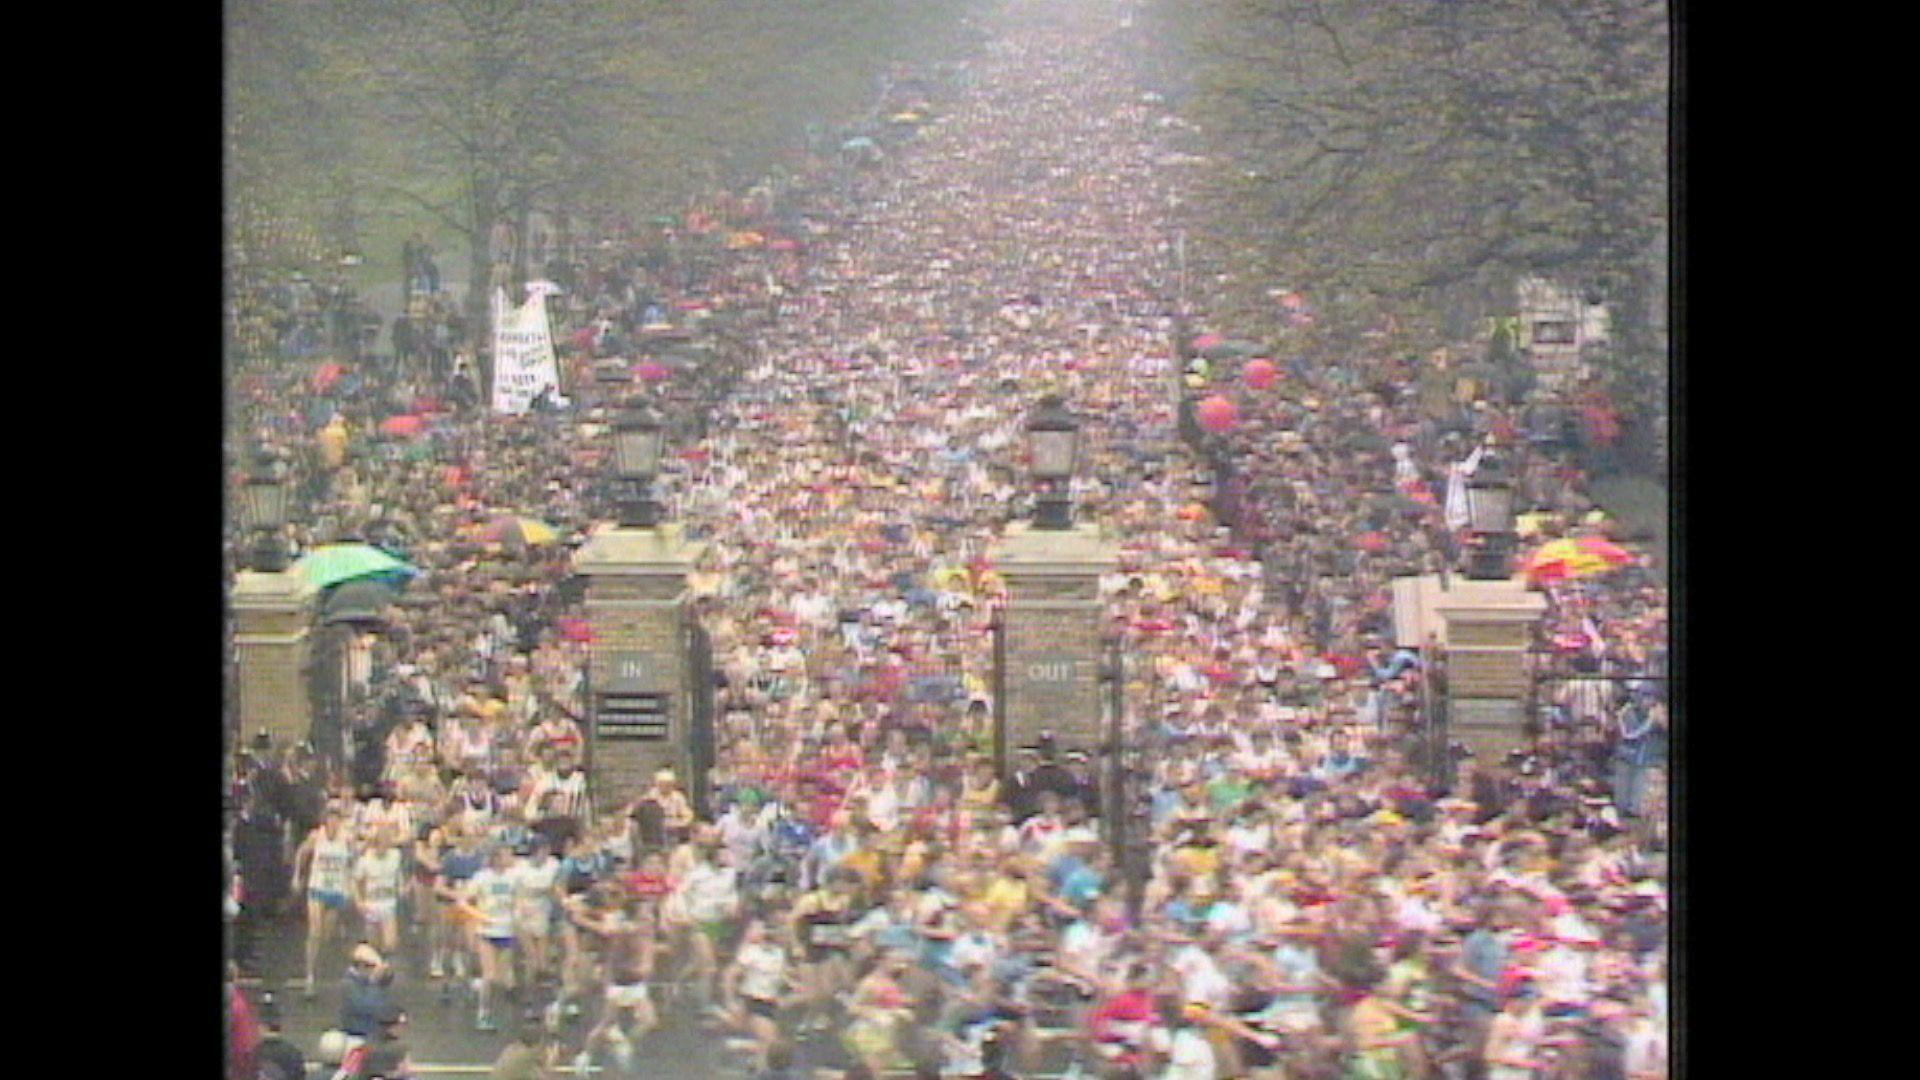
point(523, 360)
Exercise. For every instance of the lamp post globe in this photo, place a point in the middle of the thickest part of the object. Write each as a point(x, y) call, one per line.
point(1053, 447)
point(1490, 515)
point(264, 509)
point(638, 442)
point(611, 378)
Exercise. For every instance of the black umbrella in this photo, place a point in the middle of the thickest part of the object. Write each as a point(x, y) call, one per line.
point(364, 600)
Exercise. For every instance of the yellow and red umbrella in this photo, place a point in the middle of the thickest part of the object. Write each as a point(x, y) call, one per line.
point(514, 530)
point(1566, 559)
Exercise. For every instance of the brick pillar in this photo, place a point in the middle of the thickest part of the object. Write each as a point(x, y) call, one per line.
point(1050, 655)
point(639, 674)
point(273, 617)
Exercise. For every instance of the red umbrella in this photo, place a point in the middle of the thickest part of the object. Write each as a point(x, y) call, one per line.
point(328, 374)
point(652, 371)
point(1207, 341)
point(406, 426)
point(1218, 414)
point(1371, 541)
point(783, 244)
point(1261, 373)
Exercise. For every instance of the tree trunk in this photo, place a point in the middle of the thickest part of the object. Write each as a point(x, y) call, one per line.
point(522, 245)
point(479, 295)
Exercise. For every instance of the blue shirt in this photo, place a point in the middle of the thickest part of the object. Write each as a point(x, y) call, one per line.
point(1298, 965)
point(1485, 955)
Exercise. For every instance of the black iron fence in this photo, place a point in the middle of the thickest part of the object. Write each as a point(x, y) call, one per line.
point(1605, 716)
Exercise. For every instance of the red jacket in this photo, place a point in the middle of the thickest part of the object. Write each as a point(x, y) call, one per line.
point(243, 1037)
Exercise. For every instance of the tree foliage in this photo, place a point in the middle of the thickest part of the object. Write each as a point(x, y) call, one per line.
point(1418, 157)
point(446, 116)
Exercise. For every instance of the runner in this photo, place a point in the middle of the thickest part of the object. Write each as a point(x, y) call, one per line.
point(490, 898)
point(377, 884)
point(322, 868)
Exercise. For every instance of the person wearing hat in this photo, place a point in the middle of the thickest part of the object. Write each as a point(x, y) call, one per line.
point(388, 1057)
point(366, 996)
point(676, 811)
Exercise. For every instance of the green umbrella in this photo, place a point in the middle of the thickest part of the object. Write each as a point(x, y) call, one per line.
point(331, 564)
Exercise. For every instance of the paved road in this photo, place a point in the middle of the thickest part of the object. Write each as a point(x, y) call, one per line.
point(442, 1032)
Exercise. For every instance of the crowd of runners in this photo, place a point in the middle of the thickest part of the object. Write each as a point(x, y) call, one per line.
point(866, 894)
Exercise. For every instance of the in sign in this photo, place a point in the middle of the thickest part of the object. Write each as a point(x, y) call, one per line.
point(627, 671)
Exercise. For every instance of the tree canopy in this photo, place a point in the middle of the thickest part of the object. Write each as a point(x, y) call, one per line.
point(1419, 158)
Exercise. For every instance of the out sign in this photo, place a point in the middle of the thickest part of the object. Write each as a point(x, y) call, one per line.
point(1051, 671)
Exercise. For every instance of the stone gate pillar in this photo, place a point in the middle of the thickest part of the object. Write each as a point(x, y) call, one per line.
point(1488, 626)
point(639, 677)
point(1049, 655)
point(272, 626)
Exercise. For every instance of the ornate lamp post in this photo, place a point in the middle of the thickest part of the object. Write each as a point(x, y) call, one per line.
point(1053, 444)
point(272, 614)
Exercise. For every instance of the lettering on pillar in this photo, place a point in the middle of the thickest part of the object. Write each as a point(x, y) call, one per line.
point(626, 671)
point(1054, 671)
point(1052, 667)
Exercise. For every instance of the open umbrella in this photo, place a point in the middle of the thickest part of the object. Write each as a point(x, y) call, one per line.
point(1218, 414)
point(1567, 559)
point(360, 601)
point(331, 564)
point(328, 374)
point(652, 371)
point(514, 530)
point(406, 426)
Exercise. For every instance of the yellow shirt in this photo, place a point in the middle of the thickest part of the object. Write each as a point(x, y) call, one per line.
point(866, 863)
point(333, 445)
point(1005, 899)
point(1198, 861)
